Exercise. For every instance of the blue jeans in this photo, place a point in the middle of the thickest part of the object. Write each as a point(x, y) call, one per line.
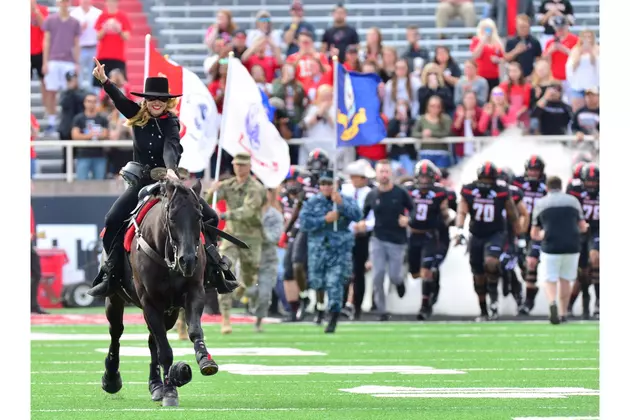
point(97, 166)
point(86, 61)
point(33, 167)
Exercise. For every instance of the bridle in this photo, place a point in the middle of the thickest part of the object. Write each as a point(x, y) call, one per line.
point(174, 265)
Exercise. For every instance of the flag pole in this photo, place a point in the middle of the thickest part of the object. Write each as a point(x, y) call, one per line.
point(217, 169)
point(147, 55)
point(336, 105)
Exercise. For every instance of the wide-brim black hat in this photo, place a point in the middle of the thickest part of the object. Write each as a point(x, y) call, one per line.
point(156, 87)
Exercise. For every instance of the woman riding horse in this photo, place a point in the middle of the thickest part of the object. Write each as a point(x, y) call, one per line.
point(156, 144)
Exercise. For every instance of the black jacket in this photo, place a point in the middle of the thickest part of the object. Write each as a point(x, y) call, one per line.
point(71, 102)
point(157, 143)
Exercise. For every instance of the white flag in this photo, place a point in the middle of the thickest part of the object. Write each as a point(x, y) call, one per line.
point(198, 114)
point(246, 128)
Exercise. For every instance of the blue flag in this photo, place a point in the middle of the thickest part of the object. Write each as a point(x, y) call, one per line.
point(359, 121)
point(271, 110)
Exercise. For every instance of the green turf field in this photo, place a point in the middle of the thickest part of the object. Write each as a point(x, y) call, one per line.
point(432, 371)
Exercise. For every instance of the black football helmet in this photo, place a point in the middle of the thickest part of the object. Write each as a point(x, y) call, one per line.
point(488, 170)
point(426, 173)
point(534, 168)
point(506, 174)
point(590, 177)
point(318, 161)
point(577, 169)
point(295, 179)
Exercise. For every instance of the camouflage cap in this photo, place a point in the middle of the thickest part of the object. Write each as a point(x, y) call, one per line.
point(242, 159)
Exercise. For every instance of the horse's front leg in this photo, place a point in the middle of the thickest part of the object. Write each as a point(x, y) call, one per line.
point(111, 382)
point(194, 311)
point(154, 318)
point(156, 386)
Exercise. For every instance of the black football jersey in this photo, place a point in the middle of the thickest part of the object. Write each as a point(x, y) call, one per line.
point(288, 204)
point(426, 213)
point(486, 207)
point(589, 201)
point(532, 192)
point(452, 199)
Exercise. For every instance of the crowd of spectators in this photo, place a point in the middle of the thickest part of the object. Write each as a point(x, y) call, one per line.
point(546, 85)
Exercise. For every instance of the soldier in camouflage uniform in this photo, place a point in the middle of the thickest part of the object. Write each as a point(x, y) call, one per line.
point(273, 226)
point(245, 197)
point(329, 250)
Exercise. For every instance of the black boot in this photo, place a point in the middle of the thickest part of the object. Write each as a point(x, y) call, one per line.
point(218, 273)
point(332, 324)
point(104, 283)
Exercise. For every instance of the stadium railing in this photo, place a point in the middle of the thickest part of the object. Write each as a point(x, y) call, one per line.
point(478, 142)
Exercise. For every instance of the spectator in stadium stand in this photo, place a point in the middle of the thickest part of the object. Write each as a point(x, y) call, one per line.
point(450, 9)
point(504, 13)
point(558, 221)
point(471, 82)
point(36, 270)
point(307, 61)
point(264, 28)
point(113, 28)
point(297, 25)
point(388, 69)
point(586, 120)
point(281, 119)
point(487, 51)
point(352, 63)
point(450, 68)
point(558, 49)
point(401, 86)
point(466, 123)
point(415, 50)
point(518, 93)
point(400, 127)
point(218, 50)
point(217, 86)
point(256, 56)
point(87, 15)
point(373, 49)
point(71, 102)
point(547, 10)
point(434, 124)
point(295, 100)
point(117, 77)
point(495, 116)
point(238, 44)
point(39, 13)
point(552, 113)
point(60, 55)
point(340, 36)
point(34, 135)
point(258, 74)
point(224, 28)
point(583, 68)
point(433, 84)
point(541, 80)
point(390, 203)
point(523, 48)
point(90, 125)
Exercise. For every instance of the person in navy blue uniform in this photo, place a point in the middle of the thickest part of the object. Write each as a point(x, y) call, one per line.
point(586, 190)
point(484, 200)
point(156, 145)
point(534, 187)
point(429, 212)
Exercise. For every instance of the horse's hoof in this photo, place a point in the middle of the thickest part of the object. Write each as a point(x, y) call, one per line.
point(180, 374)
point(157, 391)
point(170, 399)
point(111, 383)
point(208, 367)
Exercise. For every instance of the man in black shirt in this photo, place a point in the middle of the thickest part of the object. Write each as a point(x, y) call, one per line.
point(547, 10)
point(298, 24)
point(415, 50)
point(90, 125)
point(552, 113)
point(586, 120)
point(523, 48)
point(340, 36)
point(561, 218)
point(389, 238)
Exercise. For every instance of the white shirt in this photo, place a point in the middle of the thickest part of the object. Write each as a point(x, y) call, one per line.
point(254, 34)
point(88, 36)
point(585, 76)
point(359, 195)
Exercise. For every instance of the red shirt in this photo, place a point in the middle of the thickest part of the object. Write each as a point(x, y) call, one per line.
point(376, 151)
point(558, 58)
point(519, 95)
point(485, 67)
point(305, 68)
point(512, 11)
point(34, 125)
point(268, 64)
point(112, 45)
point(37, 33)
point(216, 89)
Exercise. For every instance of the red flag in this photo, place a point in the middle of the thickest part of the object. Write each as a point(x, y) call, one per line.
point(161, 67)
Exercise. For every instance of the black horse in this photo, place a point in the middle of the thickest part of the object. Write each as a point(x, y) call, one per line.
point(164, 272)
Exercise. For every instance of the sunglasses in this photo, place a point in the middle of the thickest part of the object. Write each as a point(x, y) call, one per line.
point(264, 19)
point(155, 98)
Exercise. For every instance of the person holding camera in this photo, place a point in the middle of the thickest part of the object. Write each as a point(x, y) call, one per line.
point(557, 50)
point(553, 114)
point(487, 51)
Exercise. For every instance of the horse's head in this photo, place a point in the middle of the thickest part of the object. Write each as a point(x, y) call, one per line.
point(183, 224)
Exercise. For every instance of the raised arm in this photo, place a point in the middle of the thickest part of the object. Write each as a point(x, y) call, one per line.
point(125, 105)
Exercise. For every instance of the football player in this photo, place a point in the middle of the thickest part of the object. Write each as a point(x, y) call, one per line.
point(295, 286)
point(515, 246)
point(532, 183)
point(484, 200)
point(429, 213)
